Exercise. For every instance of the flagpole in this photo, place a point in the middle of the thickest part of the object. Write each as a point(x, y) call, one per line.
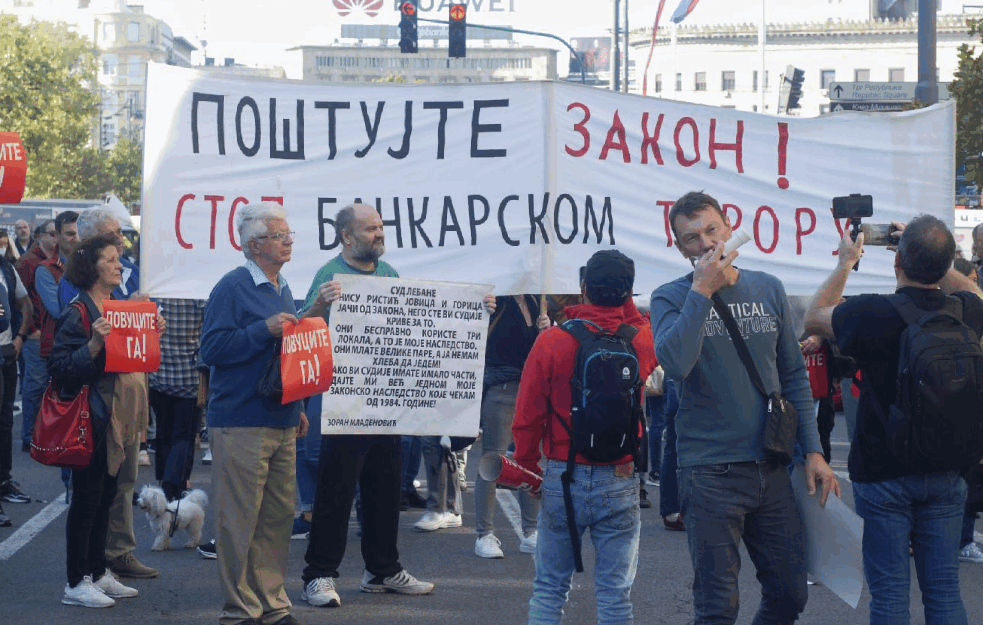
point(762, 34)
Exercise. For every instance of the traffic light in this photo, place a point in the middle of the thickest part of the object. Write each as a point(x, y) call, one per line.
point(794, 76)
point(457, 32)
point(407, 26)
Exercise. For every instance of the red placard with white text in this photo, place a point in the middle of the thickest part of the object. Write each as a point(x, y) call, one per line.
point(13, 168)
point(305, 359)
point(134, 344)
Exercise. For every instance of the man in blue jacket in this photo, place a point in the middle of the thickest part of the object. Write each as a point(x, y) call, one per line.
point(729, 489)
point(252, 436)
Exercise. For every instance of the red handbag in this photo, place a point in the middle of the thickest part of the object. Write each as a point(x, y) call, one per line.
point(63, 435)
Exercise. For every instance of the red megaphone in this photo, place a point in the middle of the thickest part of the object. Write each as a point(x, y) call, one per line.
point(497, 468)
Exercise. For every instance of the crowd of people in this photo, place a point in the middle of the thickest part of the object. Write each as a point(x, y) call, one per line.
point(691, 414)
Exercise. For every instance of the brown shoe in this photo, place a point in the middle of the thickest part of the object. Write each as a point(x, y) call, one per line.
point(674, 522)
point(128, 566)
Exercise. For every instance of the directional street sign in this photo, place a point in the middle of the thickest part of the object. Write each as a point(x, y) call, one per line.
point(879, 91)
point(868, 106)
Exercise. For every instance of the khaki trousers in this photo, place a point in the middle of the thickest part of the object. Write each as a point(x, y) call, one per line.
point(121, 540)
point(254, 481)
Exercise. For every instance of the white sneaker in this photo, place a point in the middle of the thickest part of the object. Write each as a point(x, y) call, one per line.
point(401, 583)
point(452, 519)
point(144, 458)
point(431, 521)
point(86, 595)
point(320, 592)
point(488, 546)
point(971, 553)
point(528, 544)
point(112, 587)
point(207, 458)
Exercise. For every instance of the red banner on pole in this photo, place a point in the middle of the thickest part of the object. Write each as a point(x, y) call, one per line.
point(134, 344)
point(13, 168)
point(306, 367)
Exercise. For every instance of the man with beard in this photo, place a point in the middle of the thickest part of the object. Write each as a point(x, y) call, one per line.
point(372, 461)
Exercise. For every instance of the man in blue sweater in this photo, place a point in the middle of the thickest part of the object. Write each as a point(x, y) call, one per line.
point(729, 488)
point(253, 437)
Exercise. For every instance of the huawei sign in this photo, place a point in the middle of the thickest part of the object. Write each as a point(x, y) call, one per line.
point(369, 7)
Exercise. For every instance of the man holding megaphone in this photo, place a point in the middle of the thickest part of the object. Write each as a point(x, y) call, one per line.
point(580, 401)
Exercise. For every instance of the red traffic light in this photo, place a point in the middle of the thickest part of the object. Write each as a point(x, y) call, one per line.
point(407, 8)
point(459, 12)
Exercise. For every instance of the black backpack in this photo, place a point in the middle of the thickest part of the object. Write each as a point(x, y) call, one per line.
point(936, 421)
point(605, 407)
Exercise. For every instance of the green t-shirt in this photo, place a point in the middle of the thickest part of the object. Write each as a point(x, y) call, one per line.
point(338, 265)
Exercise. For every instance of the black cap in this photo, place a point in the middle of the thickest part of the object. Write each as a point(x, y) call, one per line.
point(608, 278)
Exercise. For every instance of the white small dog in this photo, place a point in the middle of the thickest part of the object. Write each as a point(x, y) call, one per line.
point(187, 513)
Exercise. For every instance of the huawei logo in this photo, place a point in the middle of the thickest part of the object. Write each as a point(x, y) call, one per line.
point(370, 7)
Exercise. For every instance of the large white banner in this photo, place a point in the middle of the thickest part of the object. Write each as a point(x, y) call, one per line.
point(409, 357)
point(516, 184)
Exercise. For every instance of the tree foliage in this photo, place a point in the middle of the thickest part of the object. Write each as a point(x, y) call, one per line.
point(967, 90)
point(49, 95)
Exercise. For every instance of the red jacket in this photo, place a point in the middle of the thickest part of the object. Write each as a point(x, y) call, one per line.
point(544, 391)
point(27, 264)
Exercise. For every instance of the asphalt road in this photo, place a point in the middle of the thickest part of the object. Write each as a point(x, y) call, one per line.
point(469, 590)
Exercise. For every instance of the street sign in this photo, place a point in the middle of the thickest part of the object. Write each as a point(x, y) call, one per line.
point(879, 91)
point(879, 107)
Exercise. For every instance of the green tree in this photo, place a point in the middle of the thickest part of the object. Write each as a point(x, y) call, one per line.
point(47, 94)
point(125, 170)
point(967, 90)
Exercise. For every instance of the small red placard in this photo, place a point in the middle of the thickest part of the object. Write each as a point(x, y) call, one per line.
point(13, 168)
point(134, 344)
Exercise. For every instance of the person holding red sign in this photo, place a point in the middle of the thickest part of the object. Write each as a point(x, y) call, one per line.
point(77, 359)
point(253, 436)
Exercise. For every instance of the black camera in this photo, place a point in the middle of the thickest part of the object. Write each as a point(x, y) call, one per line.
point(855, 207)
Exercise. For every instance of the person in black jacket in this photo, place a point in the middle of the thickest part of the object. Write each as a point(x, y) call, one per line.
point(78, 358)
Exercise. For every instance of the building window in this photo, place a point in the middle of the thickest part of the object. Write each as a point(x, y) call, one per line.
point(727, 81)
point(135, 66)
point(679, 82)
point(658, 83)
point(324, 61)
point(861, 75)
point(133, 31)
point(109, 64)
point(754, 81)
point(109, 31)
point(700, 84)
point(826, 76)
point(896, 74)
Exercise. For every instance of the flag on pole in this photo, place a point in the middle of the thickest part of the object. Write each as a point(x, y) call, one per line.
point(655, 30)
point(685, 8)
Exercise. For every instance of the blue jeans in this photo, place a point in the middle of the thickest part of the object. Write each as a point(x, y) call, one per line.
point(309, 454)
point(35, 381)
point(655, 410)
point(608, 506)
point(443, 488)
point(668, 479)
point(929, 509)
point(753, 501)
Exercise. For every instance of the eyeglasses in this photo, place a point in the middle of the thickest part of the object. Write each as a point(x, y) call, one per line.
point(276, 236)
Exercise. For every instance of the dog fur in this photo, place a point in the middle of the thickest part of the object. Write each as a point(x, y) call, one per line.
point(160, 514)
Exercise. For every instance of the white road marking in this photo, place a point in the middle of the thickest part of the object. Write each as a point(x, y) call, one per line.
point(510, 506)
point(32, 528)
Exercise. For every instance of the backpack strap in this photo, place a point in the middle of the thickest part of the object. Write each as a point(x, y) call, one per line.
point(910, 313)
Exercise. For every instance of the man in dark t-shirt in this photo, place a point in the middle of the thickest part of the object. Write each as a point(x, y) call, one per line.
point(899, 506)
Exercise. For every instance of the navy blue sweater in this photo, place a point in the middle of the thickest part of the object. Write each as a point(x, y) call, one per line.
point(237, 345)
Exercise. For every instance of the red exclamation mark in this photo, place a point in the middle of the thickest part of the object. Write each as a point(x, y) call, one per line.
point(782, 154)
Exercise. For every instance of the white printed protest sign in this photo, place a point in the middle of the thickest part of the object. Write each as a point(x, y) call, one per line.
point(409, 357)
point(516, 184)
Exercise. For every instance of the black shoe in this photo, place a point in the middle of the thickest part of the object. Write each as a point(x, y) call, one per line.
point(207, 550)
point(414, 499)
point(11, 494)
point(4, 520)
point(287, 620)
point(404, 503)
point(643, 499)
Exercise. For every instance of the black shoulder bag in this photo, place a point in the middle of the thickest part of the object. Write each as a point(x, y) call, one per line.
point(781, 422)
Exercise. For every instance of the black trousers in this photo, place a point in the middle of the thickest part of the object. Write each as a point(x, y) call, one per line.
point(374, 463)
point(177, 425)
point(93, 491)
point(8, 388)
point(825, 419)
